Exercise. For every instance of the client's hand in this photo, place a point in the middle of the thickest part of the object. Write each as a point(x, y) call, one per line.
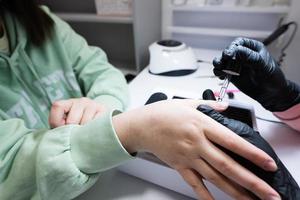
point(74, 111)
point(189, 141)
point(281, 180)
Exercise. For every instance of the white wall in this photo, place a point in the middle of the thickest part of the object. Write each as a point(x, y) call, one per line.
point(292, 60)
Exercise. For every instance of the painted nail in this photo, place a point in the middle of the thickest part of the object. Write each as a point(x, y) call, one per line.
point(270, 165)
point(223, 105)
point(273, 197)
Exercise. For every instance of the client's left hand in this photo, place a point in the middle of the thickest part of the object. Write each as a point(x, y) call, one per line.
point(74, 111)
point(281, 180)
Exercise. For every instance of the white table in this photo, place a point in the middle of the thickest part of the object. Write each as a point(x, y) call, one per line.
point(115, 185)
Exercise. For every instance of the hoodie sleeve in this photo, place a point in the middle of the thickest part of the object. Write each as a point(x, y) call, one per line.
point(98, 79)
point(56, 164)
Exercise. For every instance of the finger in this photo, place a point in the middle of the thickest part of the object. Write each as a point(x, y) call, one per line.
point(232, 170)
point(76, 112)
point(223, 183)
point(57, 116)
point(224, 137)
point(219, 73)
point(219, 66)
point(218, 106)
point(248, 43)
point(88, 115)
point(244, 54)
point(217, 63)
point(228, 54)
point(192, 178)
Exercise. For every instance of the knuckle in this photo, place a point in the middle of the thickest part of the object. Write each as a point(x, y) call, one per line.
point(193, 184)
point(225, 167)
point(51, 123)
point(239, 39)
point(254, 186)
point(85, 99)
point(71, 121)
point(205, 197)
point(231, 143)
point(192, 128)
point(213, 178)
point(57, 104)
point(239, 197)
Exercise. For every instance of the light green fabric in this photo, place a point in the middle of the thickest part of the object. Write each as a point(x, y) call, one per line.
point(39, 163)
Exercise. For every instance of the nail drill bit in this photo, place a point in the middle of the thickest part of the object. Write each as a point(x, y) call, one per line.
point(224, 87)
point(232, 69)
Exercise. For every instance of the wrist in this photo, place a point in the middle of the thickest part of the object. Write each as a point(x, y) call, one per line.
point(127, 129)
point(284, 98)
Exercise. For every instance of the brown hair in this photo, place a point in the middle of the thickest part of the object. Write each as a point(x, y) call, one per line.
point(38, 24)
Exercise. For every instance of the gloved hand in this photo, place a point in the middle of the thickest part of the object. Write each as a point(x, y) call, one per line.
point(260, 76)
point(281, 180)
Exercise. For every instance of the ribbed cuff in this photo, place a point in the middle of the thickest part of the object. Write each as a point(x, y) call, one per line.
point(95, 147)
point(290, 114)
point(291, 117)
point(111, 102)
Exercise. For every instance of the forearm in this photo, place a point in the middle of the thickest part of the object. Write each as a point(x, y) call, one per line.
point(291, 117)
point(59, 163)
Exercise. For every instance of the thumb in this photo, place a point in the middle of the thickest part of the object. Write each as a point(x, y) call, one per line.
point(58, 113)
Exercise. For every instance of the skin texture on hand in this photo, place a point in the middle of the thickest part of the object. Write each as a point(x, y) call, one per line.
point(281, 180)
point(186, 139)
point(74, 111)
point(260, 77)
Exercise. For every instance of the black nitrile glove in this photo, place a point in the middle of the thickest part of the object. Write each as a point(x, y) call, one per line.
point(260, 76)
point(281, 180)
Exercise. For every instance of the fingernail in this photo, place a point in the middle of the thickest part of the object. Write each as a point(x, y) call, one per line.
point(273, 197)
point(223, 105)
point(270, 165)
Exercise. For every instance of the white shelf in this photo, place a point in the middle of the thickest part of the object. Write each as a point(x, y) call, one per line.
point(219, 32)
point(80, 17)
point(237, 9)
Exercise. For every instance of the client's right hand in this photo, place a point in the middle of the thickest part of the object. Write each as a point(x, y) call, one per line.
point(187, 140)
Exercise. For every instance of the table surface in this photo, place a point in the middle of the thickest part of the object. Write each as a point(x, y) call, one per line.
point(115, 185)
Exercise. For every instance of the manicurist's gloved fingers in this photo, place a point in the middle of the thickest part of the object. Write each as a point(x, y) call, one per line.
point(246, 55)
point(249, 43)
point(58, 112)
point(218, 67)
point(218, 106)
point(238, 145)
point(192, 178)
point(213, 176)
point(237, 173)
point(228, 59)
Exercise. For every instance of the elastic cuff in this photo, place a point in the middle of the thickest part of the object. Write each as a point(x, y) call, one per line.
point(110, 101)
point(95, 147)
point(290, 114)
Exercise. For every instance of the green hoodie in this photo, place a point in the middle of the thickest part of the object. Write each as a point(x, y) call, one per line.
point(35, 161)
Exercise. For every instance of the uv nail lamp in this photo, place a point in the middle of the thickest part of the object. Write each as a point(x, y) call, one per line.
point(172, 58)
point(148, 167)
